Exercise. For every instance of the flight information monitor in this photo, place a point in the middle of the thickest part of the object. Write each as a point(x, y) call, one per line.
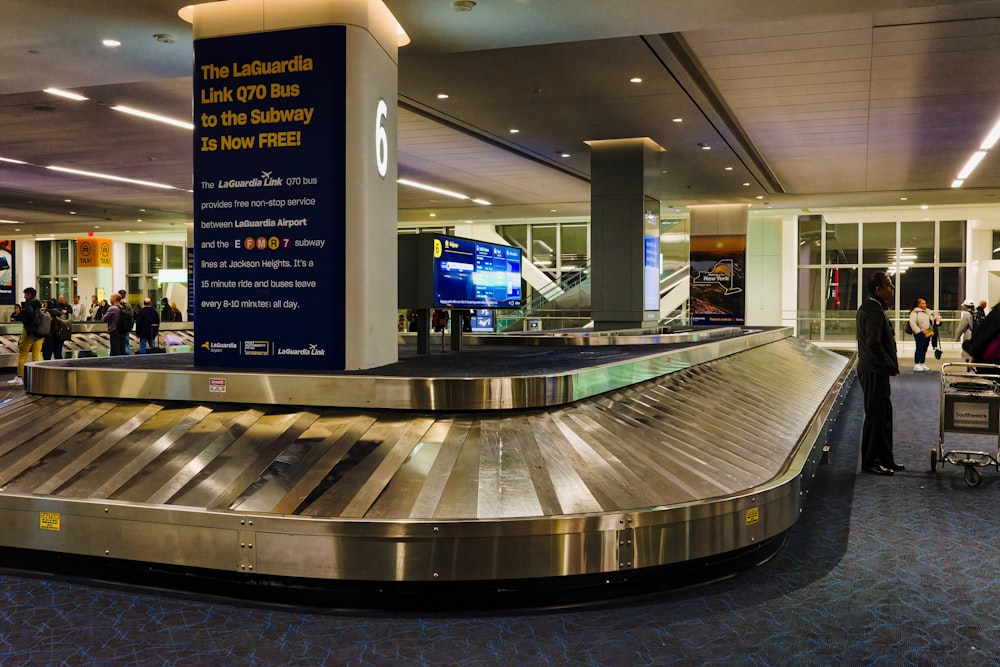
point(474, 274)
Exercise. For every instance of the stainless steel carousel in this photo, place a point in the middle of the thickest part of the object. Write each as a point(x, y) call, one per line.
point(515, 462)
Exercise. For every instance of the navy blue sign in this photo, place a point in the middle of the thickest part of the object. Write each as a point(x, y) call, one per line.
point(474, 274)
point(269, 172)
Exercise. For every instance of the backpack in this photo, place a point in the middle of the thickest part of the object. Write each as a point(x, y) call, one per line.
point(977, 319)
point(125, 318)
point(62, 329)
point(43, 323)
point(909, 329)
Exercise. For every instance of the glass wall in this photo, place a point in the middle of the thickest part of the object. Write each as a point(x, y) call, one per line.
point(143, 262)
point(56, 269)
point(926, 259)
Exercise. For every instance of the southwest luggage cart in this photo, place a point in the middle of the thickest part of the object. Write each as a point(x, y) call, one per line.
point(970, 403)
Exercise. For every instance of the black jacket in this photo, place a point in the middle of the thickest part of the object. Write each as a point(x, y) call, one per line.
point(876, 340)
point(29, 313)
point(144, 321)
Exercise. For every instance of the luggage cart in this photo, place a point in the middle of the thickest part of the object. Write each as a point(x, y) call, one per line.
point(970, 403)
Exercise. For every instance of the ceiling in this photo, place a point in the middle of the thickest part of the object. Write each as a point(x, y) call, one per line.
point(843, 104)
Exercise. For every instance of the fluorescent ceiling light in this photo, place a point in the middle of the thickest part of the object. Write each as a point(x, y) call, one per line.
point(973, 162)
point(482, 202)
point(991, 138)
point(65, 93)
point(15, 222)
point(957, 183)
point(12, 160)
point(153, 116)
point(111, 42)
point(109, 177)
point(431, 188)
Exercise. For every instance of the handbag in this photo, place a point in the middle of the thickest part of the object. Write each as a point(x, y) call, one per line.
point(929, 333)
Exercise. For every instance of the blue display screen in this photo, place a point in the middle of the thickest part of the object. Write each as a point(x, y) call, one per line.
point(474, 274)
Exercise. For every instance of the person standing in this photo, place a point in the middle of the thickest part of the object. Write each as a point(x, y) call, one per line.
point(166, 314)
point(52, 344)
point(922, 327)
point(966, 325)
point(111, 317)
point(144, 323)
point(30, 342)
point(79, 309)
point(877, 362)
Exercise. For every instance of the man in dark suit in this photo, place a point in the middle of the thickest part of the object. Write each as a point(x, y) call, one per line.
point(877, 361)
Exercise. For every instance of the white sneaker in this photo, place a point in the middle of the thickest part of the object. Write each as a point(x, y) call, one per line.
point(16, 380)
point(919, 367)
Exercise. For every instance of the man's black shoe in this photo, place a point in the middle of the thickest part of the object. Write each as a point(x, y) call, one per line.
point(879, 469)
point(897, 467)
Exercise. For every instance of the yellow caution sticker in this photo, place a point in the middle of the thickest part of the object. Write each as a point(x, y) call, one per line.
point(48, 520)
point(753, 515)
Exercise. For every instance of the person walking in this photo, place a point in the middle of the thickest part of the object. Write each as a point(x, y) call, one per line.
point(30, 342)
point(877, 362)
point(922, 327)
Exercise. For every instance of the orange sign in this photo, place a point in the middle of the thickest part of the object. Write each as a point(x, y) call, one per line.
point(92, 252)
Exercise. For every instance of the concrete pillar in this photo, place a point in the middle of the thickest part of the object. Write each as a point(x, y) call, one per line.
point(625, 233)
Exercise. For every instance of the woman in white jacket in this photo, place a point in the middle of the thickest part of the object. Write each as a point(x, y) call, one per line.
point(922, 326)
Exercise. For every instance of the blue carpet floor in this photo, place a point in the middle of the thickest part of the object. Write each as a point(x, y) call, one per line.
point(879, 571)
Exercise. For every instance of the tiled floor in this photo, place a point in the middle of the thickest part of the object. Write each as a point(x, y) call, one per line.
point(879, 571)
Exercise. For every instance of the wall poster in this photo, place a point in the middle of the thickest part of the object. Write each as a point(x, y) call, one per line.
point(268, 277)
point(718, 280)
point(8, 293)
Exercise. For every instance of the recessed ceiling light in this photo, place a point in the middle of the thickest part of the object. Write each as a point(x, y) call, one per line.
point(678, 120)
point(706, 148)
point(635, 79)
point(561, 154)
point(729, 168)
point(65, 93)
point(442, 96)
point(514, 130)
point(111, 42)
point(434, 215)
point(973, 162)
point(152, 116)
point(902, 199)
point(924, 207)
point(746, 185)
point(760, 196)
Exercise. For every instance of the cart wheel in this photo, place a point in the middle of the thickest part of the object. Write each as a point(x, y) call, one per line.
point(933, 460)
point(972, 476)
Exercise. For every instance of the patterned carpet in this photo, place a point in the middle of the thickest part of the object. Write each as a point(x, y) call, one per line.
point(879, 571)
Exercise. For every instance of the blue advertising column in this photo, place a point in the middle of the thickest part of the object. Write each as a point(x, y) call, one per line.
point(295, 183)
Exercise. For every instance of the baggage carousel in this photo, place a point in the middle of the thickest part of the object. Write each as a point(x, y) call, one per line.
point(548, 468)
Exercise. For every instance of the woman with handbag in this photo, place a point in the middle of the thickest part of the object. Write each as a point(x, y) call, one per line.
point(922, 327)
